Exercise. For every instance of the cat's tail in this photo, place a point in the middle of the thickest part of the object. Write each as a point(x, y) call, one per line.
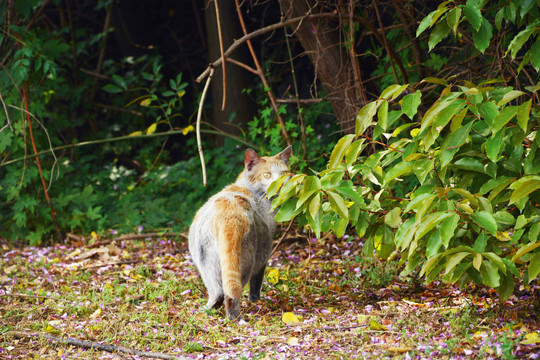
point(230, 225)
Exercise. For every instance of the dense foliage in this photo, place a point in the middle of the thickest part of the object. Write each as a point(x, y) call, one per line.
point(453, 186)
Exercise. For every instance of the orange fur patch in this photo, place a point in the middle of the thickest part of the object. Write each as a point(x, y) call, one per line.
point(229, 225)
point(238, 189)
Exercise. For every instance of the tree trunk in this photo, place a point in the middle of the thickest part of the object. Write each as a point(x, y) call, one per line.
point(239, 109)
point(323, 44)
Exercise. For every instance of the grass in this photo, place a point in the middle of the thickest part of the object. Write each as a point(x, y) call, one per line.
point(146, 295)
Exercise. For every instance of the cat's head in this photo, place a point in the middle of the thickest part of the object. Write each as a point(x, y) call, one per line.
point(263, 170)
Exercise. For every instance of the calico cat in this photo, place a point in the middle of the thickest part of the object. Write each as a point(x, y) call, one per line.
point(230, 238)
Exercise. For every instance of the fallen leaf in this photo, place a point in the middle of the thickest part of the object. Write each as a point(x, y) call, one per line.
point(192, 347)
point(273, 276)
point(373, 325)
point(531, 338)
point(51, 330)
point(293, 341)
point(400, 350)
point(289, 318)
point(96, 313)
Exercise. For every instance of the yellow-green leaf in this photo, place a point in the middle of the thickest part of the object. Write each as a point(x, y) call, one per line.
point(151, 129)
point(289, 318)
point(273, 276)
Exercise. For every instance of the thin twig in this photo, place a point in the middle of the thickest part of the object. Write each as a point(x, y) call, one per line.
point(282, 237)
point(260, 72)
point(6, 111)
point(32, 296)
point(243, 66)
point(199, 115)
point(102, 347)
point(256, 33)
point(101, 57)
point(385, 43)
point(38, 163)
point(111, 264)
point(120, 138)
point(220, 37)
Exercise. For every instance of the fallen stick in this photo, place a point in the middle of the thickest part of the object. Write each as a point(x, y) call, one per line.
point(104, 347)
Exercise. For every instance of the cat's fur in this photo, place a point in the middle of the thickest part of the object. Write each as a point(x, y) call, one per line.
point(230, 239)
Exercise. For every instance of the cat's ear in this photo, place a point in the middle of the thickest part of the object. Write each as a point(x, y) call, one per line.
point(251, 159)
point(285, 154)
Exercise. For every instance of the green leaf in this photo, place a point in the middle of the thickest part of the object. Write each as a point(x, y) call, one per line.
point(499, 18)
point(400, 169)
point(517, 42)
point(493, 183)
point(453, 18)
point(435, 109)
point(339, 150)
point(482, 37)
point(473, 15)
point(453, 142)
point(352, 151)
point(455, 260)
point(524, 250)
point(403, 230)
point(434, 244)
point(486, 221)
point(365, 117)
point(493, 145)
point(504, 116)
point(353, 195)
point(470, 164)
point(286, 211)
point(419, 200)
point(524, 188)
point(526, 5)
point(534, 267)
point(440, 31)
point(480, 243)
point(535, 55)
point(276, 185)
point(393, 91)
point(382, 115)
point(410, 103)
point(422, 167)
point(338, 204)
point(112, 89)
point(448, 229)
point(490, 274)
point(119, 81)
point(506, 288)
point(429, 222)
point(522, 114)
point(392, 218)
point(383, 241)
point(314, 206)
point(496, 259)
point(509, 96)
point(311, 186)
point(434, 80)
point(489, 111)
point(430, 19)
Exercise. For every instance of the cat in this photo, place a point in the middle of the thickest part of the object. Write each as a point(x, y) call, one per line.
point(230, 238)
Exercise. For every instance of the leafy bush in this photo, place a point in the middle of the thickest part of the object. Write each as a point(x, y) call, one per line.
point(454, 189)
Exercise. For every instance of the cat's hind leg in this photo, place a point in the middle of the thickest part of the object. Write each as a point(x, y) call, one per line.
point(255, 284)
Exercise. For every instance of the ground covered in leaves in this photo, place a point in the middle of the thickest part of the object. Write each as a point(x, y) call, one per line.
point(320, 299)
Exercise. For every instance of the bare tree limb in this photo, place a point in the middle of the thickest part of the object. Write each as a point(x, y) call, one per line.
point(259, 32)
